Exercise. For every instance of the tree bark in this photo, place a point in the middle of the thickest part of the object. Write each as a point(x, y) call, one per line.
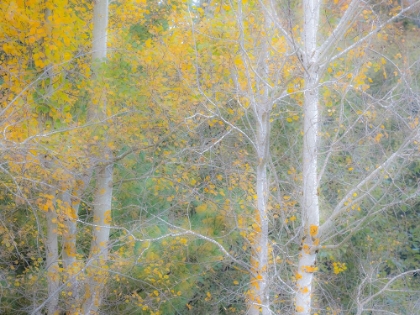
point(260, 301)
point(310, 203)
point(96, 271)
point(69, 251)
point(53, 273)
point(99, 248)
point(53, 276)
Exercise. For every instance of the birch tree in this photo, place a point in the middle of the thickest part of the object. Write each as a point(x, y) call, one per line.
point(315, 58)
point(52, 232)
point(102, 203)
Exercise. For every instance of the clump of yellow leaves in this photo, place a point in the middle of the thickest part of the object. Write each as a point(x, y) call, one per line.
point(339, 267)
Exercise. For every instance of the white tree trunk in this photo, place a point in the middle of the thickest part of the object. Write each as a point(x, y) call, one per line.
point(53, 276)
point(99, 44)
point(99, 247)
point(259, 260)
point(260, 304)
point(310, 205)
point(71, 200)
point(69, 252)
point(102, 213)
point(96, 273)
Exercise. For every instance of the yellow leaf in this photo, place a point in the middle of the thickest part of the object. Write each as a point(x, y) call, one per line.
point(107, 217)
point(309, 269)
point(148, 43)
point(378, 137)
point(201, 208)
point(304, 290)
point(256, 227)
point(313, 229)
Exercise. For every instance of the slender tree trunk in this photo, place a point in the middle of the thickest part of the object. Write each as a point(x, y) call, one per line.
point(53, 273)
point(69, 252)
point(99, 46)
point(96, 271)
point(310, 205)
point(99, 247)
point(260, 302)
point(53, 276)
point(71, 202)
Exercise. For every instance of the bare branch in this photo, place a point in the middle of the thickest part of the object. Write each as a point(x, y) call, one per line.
point(372, 32)
point(345, 23)
point(384, 288)
point(338, 210)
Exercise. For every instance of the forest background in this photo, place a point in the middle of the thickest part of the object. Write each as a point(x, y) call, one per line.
point(209, 157)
